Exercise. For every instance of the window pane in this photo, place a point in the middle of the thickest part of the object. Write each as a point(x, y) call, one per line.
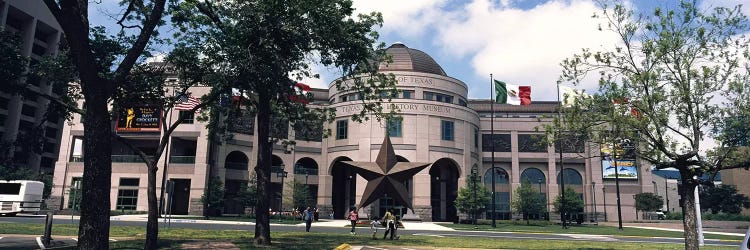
point(501, 142)
point(127, 199)
point(187, 117)
point(531, 143)
point(130, 182)
point(342, 129)
point(447, 130)
point(394, 127)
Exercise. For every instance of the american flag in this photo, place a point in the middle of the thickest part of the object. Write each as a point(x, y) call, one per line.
point(187, 103)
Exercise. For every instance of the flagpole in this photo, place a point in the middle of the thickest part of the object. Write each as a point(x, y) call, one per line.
point(492, 136)
point(562, 166)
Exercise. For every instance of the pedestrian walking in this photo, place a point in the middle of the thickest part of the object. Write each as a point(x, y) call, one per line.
point(353, 217)
point(390, 224)
point(374, 226)
point(316, 214)
point(308, 219)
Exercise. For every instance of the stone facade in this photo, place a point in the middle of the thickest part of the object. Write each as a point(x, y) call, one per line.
point(439, 126)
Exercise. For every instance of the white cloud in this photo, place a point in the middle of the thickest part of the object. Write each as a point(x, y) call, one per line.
point(406, 18)
point(524, 46)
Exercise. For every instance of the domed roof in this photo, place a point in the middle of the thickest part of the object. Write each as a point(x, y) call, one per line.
point(413, 60)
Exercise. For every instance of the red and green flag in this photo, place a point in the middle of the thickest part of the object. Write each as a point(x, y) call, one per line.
point(512, 94)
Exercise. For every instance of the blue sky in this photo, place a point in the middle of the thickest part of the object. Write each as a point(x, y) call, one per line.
point(520, 42)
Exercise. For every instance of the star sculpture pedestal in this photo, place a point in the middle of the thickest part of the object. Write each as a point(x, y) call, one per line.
point(386, 176)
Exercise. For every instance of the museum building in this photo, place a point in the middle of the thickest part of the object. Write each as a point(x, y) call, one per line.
point(439, 125)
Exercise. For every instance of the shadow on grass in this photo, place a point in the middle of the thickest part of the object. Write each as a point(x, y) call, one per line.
point(301, 240)
point(138, 244)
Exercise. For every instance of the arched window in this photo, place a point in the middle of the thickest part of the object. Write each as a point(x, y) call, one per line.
point(236, 160)
point(572, 177)
point(501, 176)
point(534, 175)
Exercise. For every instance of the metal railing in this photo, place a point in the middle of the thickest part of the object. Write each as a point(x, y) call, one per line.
point(127, 158)
point(305, 171)
point(236, 165)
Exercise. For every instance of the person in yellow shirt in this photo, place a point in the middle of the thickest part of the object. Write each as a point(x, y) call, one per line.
point(390, 224)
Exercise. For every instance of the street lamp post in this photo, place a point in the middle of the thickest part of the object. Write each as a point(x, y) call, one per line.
point(474, 187)
point(282, 174)
point(617, 186)
point(604, 197)
point(593, 195)
point(540, 184)
point(539, 180)
point(666, 191)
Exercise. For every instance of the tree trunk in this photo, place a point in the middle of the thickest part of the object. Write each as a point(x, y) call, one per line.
point(263, 172)
point(93, 228)
point(152, 226)
point(688, 203)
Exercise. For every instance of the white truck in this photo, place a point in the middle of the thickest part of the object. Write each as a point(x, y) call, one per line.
point(20, 196)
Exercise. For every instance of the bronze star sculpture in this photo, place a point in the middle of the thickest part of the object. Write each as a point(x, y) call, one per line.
point(386, 176)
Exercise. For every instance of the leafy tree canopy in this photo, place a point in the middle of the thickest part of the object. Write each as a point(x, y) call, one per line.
point(674, 76)
point(648, 202)
point(573, 202)
point(465, 201)
point(527, 200)
point(723, 199)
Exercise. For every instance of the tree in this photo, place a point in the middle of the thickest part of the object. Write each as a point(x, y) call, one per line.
point(659, 86)
point(647, 202)
point(214, 197)
point(147, 85)
point(724, 199)
point(98, 80)
point(573, 203)
point(302, 196)
point(262, 48)
point(247, 196)
point(527, 200)
point(467, 202)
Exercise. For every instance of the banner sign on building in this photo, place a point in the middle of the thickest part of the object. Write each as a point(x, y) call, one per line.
point(139, 119)
point(627, 167)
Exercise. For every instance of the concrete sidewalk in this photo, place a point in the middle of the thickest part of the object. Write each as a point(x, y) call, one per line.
point(408, 225)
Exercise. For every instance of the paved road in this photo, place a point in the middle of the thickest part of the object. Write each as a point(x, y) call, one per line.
point(198, 224)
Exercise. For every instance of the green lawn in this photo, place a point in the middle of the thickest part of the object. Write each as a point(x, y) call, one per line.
point(545, 227)
point(300, 240)
point(132, 238)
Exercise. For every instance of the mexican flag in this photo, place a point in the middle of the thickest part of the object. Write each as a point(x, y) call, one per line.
point(512, 94)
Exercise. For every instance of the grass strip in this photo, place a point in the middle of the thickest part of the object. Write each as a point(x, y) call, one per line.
point(174, 238)
point(540, 227)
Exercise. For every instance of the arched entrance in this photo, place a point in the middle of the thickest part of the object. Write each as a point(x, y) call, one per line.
point(235, 160)
point(538, 181)
point(344, 188)
point(444, 189)
point(385, 203)
point(573, 180)
point(502, 193)
point(306, 172)
point(277, 185)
